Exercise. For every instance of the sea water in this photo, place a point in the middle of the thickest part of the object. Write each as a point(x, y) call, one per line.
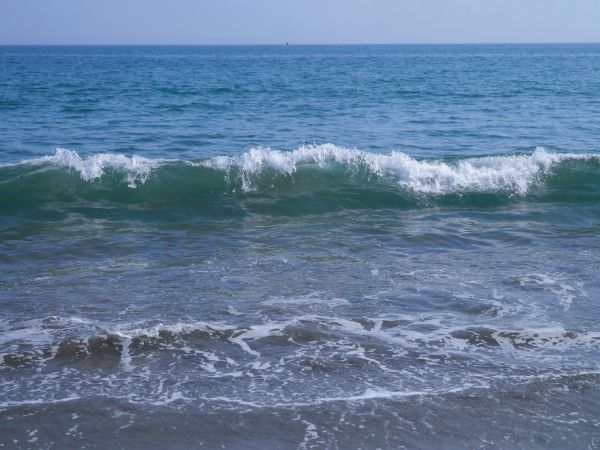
point(300, 246)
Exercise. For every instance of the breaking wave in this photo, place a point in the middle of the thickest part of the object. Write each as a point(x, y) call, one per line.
point(327, 175)
point(118, 346)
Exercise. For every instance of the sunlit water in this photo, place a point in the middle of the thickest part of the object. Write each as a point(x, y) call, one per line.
point(300, 247)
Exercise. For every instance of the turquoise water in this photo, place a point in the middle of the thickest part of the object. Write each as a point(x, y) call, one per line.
point(300, 246)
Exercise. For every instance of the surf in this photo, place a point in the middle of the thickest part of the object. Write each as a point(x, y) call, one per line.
point(322, 176)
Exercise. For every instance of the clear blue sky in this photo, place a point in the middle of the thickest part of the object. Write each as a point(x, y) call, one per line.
point(296, 21)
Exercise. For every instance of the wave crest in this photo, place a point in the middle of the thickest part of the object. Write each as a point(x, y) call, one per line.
point(311, 179)
point(513, 173)
point(136, 168)
point(507, 173)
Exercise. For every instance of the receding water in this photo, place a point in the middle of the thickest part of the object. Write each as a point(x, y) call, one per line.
point(300, 247)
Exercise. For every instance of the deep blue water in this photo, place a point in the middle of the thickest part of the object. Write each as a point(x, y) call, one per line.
point(300, 246)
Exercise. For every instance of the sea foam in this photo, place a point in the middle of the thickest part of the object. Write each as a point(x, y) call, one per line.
point(489, 173)
point(136, 168)
point(506, 173)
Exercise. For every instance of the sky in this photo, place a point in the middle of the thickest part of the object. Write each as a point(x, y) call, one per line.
point(297, 21)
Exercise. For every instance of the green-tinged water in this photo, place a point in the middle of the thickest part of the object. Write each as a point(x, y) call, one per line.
point(300, 247)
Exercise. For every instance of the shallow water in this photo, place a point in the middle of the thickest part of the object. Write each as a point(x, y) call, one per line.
point(300, 247)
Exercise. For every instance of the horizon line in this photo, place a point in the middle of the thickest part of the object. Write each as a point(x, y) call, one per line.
point(286, 43)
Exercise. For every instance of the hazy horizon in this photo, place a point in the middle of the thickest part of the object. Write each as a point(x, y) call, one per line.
point(299, 44)
point(269, 22)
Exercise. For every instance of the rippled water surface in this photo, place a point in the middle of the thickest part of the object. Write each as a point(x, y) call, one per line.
point(300, 247)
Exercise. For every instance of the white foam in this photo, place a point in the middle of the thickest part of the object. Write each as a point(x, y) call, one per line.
point(136, 169)
point(509, 173)
point(312, 298)
point(38, 401)
point(126, 355)
point(254, 333)
point(555, 283)
point(370, 393)
point(514, 173)
point(549, 338)
point(39, 331)
point(175, 328)
point(310, 434)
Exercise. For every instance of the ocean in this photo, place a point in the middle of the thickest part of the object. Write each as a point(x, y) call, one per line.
point(300, 246)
